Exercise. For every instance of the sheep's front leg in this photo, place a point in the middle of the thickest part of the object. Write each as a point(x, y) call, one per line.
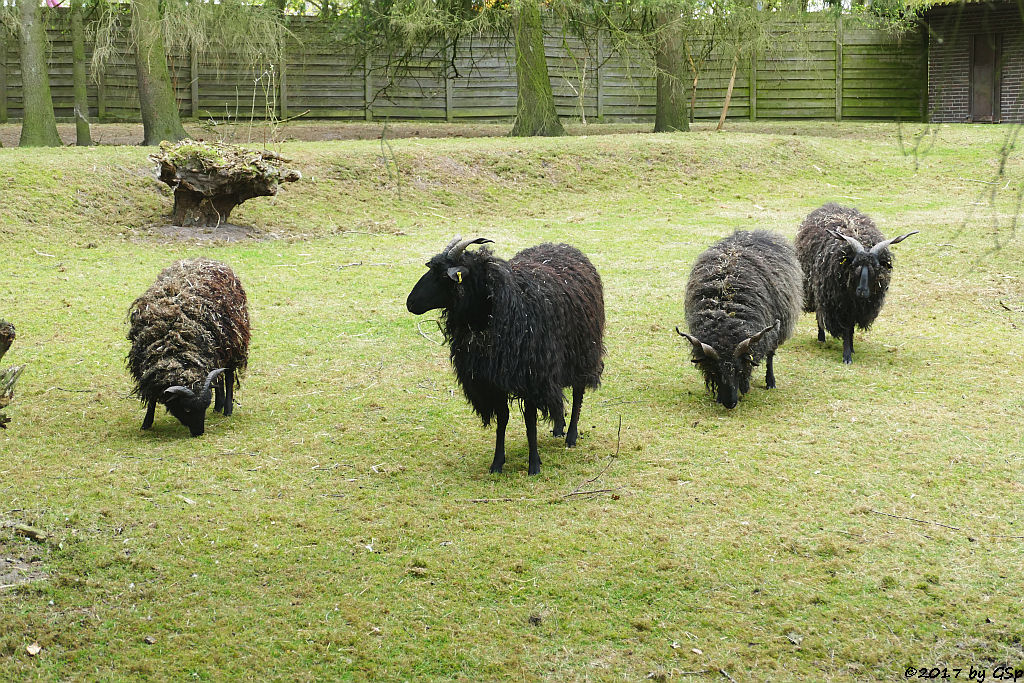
point(848, 346)
point(501, 414)
point(769, 375)
point(218, 394)
point(530, 417)
point(577, 405)
point(821, 327)
point(147, 421)
point(229, 391)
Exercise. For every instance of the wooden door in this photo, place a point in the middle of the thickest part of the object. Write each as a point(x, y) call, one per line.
point(984, 90)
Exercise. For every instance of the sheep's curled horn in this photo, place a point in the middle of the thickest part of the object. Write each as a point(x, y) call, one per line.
point(206, 385)
point(743, 347)
point(698, 346)
point(458, 245)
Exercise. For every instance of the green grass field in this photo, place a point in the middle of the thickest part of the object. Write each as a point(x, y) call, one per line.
point(330, 529)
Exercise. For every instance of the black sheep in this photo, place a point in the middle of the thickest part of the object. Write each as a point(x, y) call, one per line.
point(742, 301)
point(190, 327)
point(522, 329)
point(847, 268)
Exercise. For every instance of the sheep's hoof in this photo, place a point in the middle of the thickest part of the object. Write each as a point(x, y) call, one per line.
point(558, 431)
point(496, 469)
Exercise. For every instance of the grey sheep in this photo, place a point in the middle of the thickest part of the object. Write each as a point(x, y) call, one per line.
point(847, 267)
point(742, 302)
point(190, 327)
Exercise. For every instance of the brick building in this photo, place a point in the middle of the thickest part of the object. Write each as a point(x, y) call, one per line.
point(976, 62)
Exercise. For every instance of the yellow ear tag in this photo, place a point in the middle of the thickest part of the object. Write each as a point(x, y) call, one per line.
point(459, 273)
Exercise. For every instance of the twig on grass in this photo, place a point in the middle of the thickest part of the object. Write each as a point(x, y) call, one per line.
point(726, 674)
point(946, 526)
point(424, 334)
point(579, 491)
point(914, 519)
point(500, 500)
point(1011, 310)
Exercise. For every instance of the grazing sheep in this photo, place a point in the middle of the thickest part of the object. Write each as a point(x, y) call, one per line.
point(521, 329)
point(742, 302)
point(847, 267)
point(191, 326)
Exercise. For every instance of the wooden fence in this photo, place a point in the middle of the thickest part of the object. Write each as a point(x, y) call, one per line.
point(831, 71)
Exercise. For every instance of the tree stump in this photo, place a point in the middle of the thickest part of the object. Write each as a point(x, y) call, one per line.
point(211, 178)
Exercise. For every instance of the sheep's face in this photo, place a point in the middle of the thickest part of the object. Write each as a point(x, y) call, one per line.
point(436, 289)
point(866, 271)
point(728, 377)
point(727, 372)
point(189, 408)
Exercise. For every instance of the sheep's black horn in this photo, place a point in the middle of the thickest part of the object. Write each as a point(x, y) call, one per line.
point(743, 348)
point(461, 245)
point(176, 391)
point(895, 240)
point(857, 246)
point(699, 347)
point(212, 376)
point(451, 244)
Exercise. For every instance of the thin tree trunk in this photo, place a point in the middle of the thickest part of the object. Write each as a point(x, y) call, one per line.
point(38, 124)
point(728, 93)
point(78, 75)
point(693, 97)
point(670, 58)
point(535, 104)
point(160, 118)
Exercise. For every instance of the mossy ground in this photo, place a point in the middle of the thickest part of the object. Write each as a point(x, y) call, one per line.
point(327, 529)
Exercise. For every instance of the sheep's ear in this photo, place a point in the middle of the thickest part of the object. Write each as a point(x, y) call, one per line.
point(700, 349)
point(458, 273)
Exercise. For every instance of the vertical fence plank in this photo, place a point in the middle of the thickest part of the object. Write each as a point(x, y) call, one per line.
point(284, 83)
point(193, 74)
point(3, 78)
point(598, 79)
point(752, 85)
point(367, 87)
point(449, 114)
point(839, 68)
point(101, 96)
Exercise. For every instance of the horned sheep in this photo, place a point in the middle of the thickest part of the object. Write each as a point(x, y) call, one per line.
point(521, 329)
point(742, 302)
point(189, 328)
point(847, 268)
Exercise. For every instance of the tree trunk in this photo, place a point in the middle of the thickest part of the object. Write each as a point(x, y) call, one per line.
point(535, 104)
point(728, 93)
point(160, 119)
point(38, 125)
point(670, 59)
point(78, 75)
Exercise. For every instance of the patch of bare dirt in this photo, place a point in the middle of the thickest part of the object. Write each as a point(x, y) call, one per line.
point(265, 134)
point(17, 568)
point(225, 232)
